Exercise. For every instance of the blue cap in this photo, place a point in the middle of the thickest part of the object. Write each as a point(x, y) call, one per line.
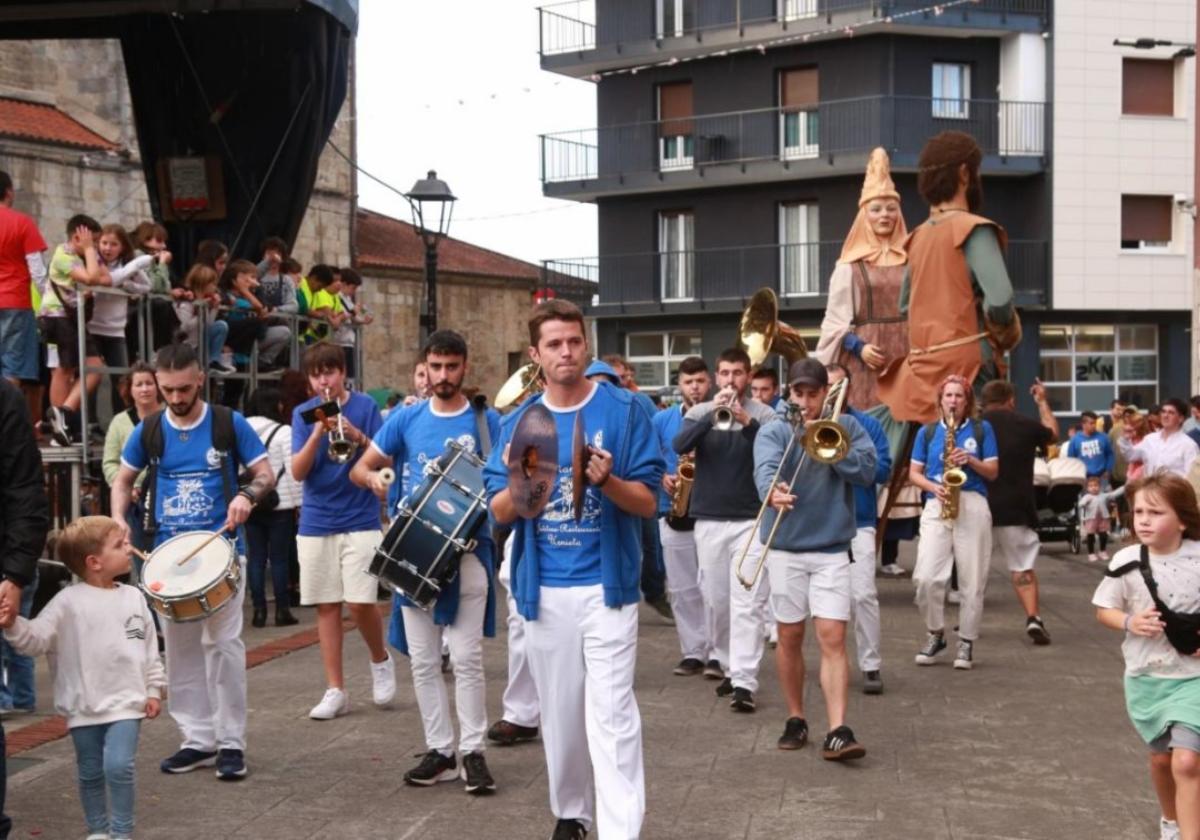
point(599, 368)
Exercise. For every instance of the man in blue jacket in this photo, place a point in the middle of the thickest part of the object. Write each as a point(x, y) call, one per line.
point(577, 583)
point(863, 594)
point(809, 558)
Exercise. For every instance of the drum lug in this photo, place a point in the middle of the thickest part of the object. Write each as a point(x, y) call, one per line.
point(203, 599)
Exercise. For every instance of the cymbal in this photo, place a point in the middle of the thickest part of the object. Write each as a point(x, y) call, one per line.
point(533, 461)
point(579, 461)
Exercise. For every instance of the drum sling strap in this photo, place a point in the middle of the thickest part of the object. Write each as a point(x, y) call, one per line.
point(1182, 629)
point(223, 441)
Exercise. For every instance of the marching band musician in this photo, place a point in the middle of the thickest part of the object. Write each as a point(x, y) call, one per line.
point(339, 529)
point(808, 559)
point(194, 450)
point(724, 504)
point(693, 619)
point(415, 436)
point(965, 540)
point(577, 582)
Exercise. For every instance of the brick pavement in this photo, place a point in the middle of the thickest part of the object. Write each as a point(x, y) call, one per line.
point(1034, 743)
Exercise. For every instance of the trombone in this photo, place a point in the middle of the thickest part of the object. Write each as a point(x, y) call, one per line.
point(824, 440)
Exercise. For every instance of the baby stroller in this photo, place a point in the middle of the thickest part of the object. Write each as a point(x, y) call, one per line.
point(1057, 486)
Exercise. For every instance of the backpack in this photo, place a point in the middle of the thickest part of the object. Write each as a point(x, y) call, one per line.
point(223, 441)
point(1182, 629)
point(976, 431)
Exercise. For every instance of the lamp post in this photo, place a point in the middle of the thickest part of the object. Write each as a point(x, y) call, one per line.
point(432, 206)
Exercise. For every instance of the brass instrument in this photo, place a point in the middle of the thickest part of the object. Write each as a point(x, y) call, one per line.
point(341, 449)
point(527, 380)
point(682, 496)
point(953, 478)
point(825, 441)
point(722, 417)
point(761, 333)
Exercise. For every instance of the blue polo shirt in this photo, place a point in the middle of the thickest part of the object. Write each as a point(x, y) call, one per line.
point(929, 453)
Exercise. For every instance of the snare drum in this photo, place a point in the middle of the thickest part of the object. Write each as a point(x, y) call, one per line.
point(434, 527)
point(198, 588)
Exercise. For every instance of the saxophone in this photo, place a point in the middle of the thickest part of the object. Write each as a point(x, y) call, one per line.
point(686, 474)
point(953, 477)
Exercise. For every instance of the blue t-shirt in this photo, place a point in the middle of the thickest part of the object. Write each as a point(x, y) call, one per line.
point(190, 495)
point(1096, 452)
point(417, 435)
point(667, 424)
point(570, 550)
point(929, 453)
point(333, 504)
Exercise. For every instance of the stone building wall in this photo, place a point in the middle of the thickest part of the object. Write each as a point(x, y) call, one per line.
point(490, 313)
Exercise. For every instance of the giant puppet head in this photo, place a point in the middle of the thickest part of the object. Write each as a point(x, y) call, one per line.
point(878, 234)
point(945, 161)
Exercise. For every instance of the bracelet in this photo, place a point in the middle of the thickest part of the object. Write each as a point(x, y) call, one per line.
point(250, 497)
point(1128, 618)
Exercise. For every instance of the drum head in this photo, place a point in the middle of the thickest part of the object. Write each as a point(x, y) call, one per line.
point(533, 461)
point(164, 577)
point(579, 461)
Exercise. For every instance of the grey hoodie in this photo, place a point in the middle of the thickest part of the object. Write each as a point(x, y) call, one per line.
point(822, 519)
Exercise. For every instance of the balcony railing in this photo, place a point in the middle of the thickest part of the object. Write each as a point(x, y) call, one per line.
point(799, 274)
point(574, 26)
point(836, 127)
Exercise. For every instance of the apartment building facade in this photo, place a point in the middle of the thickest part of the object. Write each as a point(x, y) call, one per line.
point(729, 150)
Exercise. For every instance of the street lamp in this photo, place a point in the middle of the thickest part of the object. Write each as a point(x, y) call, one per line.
point(432, 206)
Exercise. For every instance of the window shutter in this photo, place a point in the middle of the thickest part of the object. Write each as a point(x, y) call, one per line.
point(798, 89)
point(1148, 87)
point(675, 109)
point(1145, 218)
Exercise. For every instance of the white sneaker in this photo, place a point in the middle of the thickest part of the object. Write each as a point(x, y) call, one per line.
point(1104, 556)
point(1168, 829)
point(383, 681)
point(953, 596)
point(335, 703)
point(1092, 558)
point(102, 836)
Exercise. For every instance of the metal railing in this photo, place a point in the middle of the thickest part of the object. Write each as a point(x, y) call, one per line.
point(579, 26)
point(900, 123)
point(714, 275)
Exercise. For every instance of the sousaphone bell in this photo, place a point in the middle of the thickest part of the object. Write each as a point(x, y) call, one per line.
point(762, 333)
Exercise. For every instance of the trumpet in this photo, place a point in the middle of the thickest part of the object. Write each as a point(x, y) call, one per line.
point(825, 441)
point(953, 478)
point(341, 448)
point(722, 418)
point(685, 475)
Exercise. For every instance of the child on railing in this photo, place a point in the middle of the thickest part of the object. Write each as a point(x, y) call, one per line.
point(111, 311)
point(277, 291)
point(201, 283)
point(151, 238)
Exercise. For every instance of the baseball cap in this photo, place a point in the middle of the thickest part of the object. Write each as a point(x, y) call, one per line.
point(808, 372)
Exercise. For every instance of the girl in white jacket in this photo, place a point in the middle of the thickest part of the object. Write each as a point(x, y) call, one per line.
point(109, 674)
point(111, 311)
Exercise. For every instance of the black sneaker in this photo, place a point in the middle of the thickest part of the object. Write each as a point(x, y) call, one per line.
point(59, 427)
point(231, 765)
point(795, 734)
point(1037, 630)
point(872, 682)
point(742, 701)
point(434, 768)
point(688, 667)
point(475, 774)
point(569, 830)
point(713, 670)
point(506, 734)
point(840, 745)
point(187, 760)
point(725, 688)
point(934, 644)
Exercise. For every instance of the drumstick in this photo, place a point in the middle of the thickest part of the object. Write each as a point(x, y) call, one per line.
point(202, 545)
point(143, 556)
point(387, 476)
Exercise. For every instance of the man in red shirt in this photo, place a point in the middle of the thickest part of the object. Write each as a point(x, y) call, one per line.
point(21, 247)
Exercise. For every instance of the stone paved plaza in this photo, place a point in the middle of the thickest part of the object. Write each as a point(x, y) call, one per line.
point(1033, 743)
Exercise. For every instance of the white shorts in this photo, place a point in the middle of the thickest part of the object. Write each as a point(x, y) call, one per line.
point(1016, 545)
point(333, 568)
point(809, 583)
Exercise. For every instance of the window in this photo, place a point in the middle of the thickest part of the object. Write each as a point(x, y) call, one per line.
point(676, 255)
point(1086, 367)
point(1148, 87)
point(799, 124)
point(675, 17)
point(951, 91)
point(799, 263)
point(655, 357)
point(1146, 222)
point(797, 9)
point(675, 126)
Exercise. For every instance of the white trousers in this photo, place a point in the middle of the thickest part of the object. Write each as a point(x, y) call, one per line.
point(582, 655)
point(520, 701)
point(965, 542)
point(864, 599)
point(692, 620)
point(206, 676)
point(739, 613)
point(465, 637)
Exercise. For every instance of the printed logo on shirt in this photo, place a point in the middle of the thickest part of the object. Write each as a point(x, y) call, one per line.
point(213, 458)
point(189, 500)
point(970, 445)
point(467, 442)
point(598, 439)
point(562, 508)
point(1089, 449)
point(135, 628)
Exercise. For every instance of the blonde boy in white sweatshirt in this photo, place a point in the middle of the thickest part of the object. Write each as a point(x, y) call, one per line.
point(104, 629)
